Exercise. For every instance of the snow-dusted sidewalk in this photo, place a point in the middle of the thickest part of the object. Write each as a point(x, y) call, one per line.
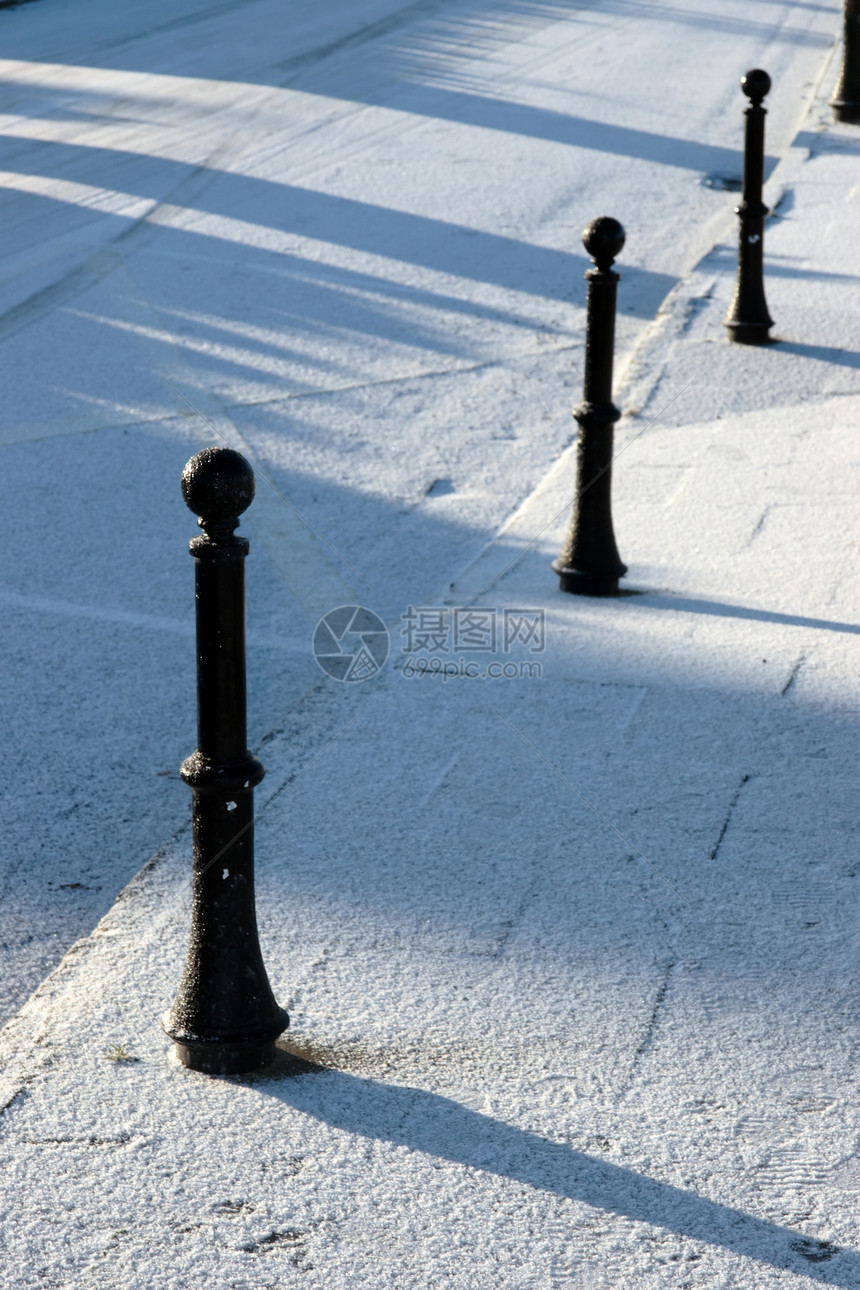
point(572, 958)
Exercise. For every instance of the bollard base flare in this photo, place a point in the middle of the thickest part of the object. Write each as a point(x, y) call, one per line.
point(223, 1057)
point(587, 584)
point(846, 110)
point(749, 333)
point(225, 1061)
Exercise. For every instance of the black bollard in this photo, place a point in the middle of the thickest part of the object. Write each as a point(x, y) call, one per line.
point(224, 1019)
point(748, 320)
point(846, 96)
point(589, 564)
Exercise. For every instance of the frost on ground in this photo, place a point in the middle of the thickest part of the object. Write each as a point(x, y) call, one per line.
point(571, 954)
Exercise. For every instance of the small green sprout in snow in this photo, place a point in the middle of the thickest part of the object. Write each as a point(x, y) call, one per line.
point(119, 1053)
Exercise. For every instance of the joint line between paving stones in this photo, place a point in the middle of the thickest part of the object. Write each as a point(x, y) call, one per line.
point(591, 807)
point(729, 813)
point(793, 677)
point(268, 481)
point(649, 1030)
point(430, 374)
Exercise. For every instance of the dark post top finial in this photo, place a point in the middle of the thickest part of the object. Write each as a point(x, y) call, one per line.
point(218, 485)
point(603, 239)
point(755, 84)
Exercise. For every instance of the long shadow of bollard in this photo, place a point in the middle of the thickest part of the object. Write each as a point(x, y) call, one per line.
point(438, 1126)
point(721, 609)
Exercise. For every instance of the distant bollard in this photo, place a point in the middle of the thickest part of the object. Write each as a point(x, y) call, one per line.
point(748, 320)
point(224, 1019)
point(846, 96)
point(589, 564)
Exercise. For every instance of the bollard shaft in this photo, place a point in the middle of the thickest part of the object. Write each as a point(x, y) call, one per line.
point(753, 178)
point(846, 95)
point(589, 563)
point(748, 321)
point(224, 1019)
point(219, 579)
point(600, 337)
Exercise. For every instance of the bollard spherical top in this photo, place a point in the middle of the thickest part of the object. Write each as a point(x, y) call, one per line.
point(755, 84)
point(603, 239)
point(218, 484)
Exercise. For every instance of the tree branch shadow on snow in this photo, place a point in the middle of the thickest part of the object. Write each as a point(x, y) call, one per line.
point(437, 1126)
point(420, 240)
point(473, 25)
point(690, 605)
point(530, 122)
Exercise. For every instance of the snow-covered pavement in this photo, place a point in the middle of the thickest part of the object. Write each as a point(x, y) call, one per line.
point(575, 953)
